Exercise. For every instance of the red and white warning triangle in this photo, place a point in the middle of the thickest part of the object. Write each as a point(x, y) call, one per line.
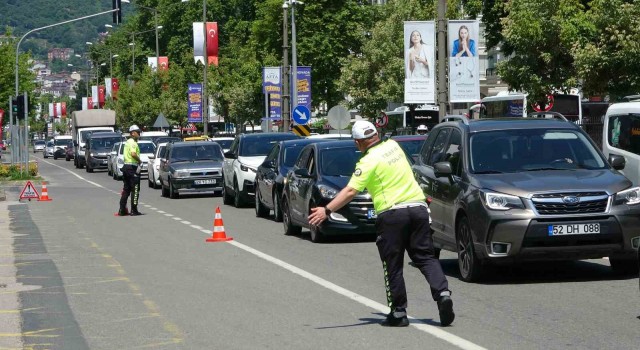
point(29, 191)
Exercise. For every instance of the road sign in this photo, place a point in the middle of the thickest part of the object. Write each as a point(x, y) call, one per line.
point(301, 130)
point(382, 120)
point(338, 117)
point(301, 115)
point(547, 107)
point(29, 192)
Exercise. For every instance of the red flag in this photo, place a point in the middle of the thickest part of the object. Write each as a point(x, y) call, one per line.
point(163, 62)
point(114, 88)
point(90, 102)
point(63, 109)
point(58, 109)
point(212, 42)
point(101, 92)
point(1, 128)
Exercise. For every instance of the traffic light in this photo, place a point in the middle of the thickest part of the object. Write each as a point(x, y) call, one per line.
point(20, 102)
point(117, 15)
point(14, 107)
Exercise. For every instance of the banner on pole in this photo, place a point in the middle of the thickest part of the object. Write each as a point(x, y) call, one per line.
point(194, 103)
point(272, 87)
point(198, 42)
point(303, 85)
point(419, 81)
point(464, 63)
point(212, 43)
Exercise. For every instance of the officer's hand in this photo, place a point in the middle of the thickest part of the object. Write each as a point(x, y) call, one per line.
point(317, 216)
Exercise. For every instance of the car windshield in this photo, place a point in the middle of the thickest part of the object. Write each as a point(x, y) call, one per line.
point(146, 147)
point(104, 142)
point(210, 151)
point(339, 161)
point(260, 146)
point(518, 150)
point(39, 143)
point(225, 144)
point(291, 154)
point(61, 142)
point(411, 147)
point(50, 144)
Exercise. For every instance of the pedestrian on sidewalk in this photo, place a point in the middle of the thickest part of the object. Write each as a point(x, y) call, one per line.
point(402, 221)
point(131, 173)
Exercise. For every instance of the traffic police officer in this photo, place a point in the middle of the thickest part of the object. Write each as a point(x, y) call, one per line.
point(131, 173)
point(402, 221)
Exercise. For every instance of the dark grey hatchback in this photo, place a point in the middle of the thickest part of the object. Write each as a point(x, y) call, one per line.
point(506, 190)
point(191, 167)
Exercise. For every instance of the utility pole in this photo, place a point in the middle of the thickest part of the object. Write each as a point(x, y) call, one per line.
point(442, 59)
point(285, 70)
point(205, 97)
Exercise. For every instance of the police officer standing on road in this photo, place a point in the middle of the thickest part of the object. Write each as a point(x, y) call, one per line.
point(402, 221)
point(131, 173)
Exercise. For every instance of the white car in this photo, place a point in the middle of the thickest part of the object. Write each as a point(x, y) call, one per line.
point(224, 142)
point(112, 159)
point(154, 165)
point(147, 148)
point(241, 162)
point(38, 146)
point(49, 149)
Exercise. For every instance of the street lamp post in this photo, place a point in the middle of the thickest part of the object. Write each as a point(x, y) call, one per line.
point(294, 54)
point(111, 57)
point(285, 69)
point(155, 21)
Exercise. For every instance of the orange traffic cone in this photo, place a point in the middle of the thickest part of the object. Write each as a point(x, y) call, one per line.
point(45, 194)
point(218, 229)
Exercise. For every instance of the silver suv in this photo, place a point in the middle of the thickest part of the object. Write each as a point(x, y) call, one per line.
point(507, 190)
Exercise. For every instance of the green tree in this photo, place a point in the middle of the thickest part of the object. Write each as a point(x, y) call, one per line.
point(8, 76)
point(537, 37)
point(607, 58)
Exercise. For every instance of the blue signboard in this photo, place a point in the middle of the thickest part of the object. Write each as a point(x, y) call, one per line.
point(304, 87)
point(194, 103)
point(301, 115)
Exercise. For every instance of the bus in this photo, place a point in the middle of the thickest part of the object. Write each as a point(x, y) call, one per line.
point(516, 105)
point(403, 122)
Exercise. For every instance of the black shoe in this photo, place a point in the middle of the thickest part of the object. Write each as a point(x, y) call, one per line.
point(445, 307)
point(391, 321)
point(122, 212)
point(135, 213)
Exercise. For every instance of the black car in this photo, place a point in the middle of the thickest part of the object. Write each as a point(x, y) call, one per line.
point(320, 172)
point(97, 149)
point(271, 174)
point(410, 144)
point(69, 152)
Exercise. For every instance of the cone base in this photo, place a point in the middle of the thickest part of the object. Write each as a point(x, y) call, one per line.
point(217, 239)
point(45, 200)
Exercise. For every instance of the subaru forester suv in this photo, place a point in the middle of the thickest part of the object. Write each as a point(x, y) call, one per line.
point(507, 190)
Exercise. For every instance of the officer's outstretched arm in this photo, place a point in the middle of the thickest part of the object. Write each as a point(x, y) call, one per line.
point(318, 215)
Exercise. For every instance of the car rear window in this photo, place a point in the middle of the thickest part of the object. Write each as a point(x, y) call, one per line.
point(211, 151)
point(146, 147)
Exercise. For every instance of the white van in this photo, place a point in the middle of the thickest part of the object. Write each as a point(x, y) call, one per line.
point(60, 143)
point(621, 135)
point(152, 135)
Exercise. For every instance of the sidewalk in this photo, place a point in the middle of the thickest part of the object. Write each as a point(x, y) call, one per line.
point(10, 319)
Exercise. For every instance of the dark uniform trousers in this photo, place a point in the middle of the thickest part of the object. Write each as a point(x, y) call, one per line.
point(131, 186)
point(407, 229)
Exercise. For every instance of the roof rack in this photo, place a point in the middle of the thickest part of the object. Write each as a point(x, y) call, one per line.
point(453, 118)
point(550, 115)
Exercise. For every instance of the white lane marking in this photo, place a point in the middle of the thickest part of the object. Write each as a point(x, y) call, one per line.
point(153, 208)
point(435, 331)
point(186, 222)
point(196, 227)
point(427, 328)
point(168, 215)
point(74, 174)
point(147, 205)
point(205, 231)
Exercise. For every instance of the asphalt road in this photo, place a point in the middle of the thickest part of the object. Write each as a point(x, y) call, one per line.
point(103, 282)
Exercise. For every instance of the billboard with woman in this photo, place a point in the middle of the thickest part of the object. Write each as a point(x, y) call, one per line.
point(464, 63)
point(419, 58)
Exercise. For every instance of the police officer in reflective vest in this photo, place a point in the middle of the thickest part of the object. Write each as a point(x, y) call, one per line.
point(131, 173)
point(402, 221)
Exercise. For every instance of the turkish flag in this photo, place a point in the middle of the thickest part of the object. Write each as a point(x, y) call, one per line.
point(114, 88)
point(58, 110)
point(163, 62)
point(63, 109)
point(212, 42)
point(89, 102)
point(1, 116)
point(101, 92)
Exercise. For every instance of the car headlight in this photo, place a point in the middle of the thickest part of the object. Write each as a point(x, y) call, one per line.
point(92, 154)
point(500, 201)
point(327, 192)
point(247, 168)
point(181, 174)
point(629, 197)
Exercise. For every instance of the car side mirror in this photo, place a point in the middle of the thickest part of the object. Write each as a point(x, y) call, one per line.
point(230, 154)
point(75, 143)
point(302, 172)
point(443, 169)
point(617, 161)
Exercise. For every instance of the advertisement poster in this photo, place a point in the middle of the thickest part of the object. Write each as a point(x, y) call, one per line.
point(464, 63)
point(194, 103)
point(420, 60)
point(272, 88)
point(304, 87)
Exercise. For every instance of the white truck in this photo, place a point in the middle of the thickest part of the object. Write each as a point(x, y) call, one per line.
point(86, 122)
